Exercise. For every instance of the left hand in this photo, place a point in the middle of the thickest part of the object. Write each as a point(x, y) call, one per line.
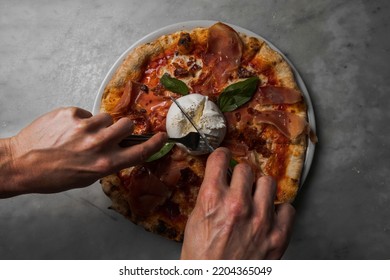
point(70, 148)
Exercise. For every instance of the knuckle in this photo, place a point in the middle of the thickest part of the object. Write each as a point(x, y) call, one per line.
point(278, 239)
point(143, 153)
point(267, 180)
point(238, 208)
point(207, 193)
point(219, 154)
point(211, 181)
point(244, 168)
point(209, 199)
point(107, 117)
point(125, 121)
point(291, 210)
point(69, 111)
point(81, 126)
point(104, 165)
point(69, 114)
point(261, 221)
point(92, 142)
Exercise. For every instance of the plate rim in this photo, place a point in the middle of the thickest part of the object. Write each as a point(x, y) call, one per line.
point(188, 25)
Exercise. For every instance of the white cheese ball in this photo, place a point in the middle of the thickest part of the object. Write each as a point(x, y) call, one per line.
point(203, 112)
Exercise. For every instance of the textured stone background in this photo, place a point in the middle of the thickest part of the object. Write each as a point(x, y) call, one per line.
point(55, 54)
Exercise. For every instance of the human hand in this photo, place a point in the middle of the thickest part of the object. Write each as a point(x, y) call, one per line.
point(70, 148)
point(236, 222)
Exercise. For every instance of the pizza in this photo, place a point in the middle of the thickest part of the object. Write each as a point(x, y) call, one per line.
point(253, 85)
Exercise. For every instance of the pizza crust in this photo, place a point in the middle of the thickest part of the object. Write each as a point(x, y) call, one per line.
point(131, 69)
point(113, 188)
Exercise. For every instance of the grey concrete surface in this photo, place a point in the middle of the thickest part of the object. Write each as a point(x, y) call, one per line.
point(56, 53)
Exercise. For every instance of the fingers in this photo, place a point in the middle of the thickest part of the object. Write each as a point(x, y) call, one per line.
point(216, 175)
point(265, 191)
point(81, 113)
point(264, 196)
point(98, 121)
point(216, 168)
point(112, 133)
point(119, 130)
point(281, 231)
point(109, 131)
point(242, 181)
point(88, 122)
point(139, 153)
point(285, 214)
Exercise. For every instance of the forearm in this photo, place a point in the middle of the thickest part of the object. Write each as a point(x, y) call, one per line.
point(30, 171)
point(18, 172)
point(8, 172)
point(46, 170)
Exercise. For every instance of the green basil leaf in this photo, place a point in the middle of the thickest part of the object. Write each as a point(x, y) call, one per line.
point(237, 94)
point(233, 163)
point(174, 84)
point(163, 151)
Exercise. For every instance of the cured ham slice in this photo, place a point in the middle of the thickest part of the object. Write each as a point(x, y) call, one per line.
point(129, 93)
point(222, 58)
point(146, 191)
point(291, 125)
point(268, 95)
point(224, 51)
point(170, 173)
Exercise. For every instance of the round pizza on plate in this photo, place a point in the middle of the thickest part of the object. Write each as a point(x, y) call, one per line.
point(236, 87)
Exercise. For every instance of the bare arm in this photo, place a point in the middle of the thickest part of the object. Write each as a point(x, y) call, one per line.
point(68, 148)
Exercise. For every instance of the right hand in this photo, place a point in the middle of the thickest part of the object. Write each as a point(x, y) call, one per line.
point(228, 222)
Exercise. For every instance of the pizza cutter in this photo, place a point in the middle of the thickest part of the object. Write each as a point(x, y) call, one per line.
point(202, 136)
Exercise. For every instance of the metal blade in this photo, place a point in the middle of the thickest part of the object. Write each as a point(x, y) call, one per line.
point(194, 125)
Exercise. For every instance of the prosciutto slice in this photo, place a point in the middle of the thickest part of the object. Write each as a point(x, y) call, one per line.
point(222, 57)
point(130, 92)
point(147, 192)
point(290, 124)
point(224, 51)
point(269, 95)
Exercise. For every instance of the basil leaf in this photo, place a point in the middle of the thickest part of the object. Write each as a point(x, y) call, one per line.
point(174, 84)
point(233, 163)
point(163, 151)
point(237, 94)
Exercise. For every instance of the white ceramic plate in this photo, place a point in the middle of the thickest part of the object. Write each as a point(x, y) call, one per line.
point(188, 25)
